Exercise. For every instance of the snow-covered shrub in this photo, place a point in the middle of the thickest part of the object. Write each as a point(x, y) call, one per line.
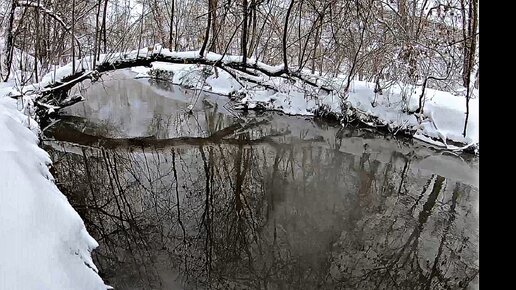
point(161, 74)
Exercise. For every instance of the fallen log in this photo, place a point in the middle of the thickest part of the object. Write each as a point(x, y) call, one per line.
point(54, 93)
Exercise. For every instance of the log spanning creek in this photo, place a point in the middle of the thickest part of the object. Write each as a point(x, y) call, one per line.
point(213, 198)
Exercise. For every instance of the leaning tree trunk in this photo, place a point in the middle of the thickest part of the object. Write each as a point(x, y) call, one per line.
point(285, 28)
point(207, 33)
point(96, 45)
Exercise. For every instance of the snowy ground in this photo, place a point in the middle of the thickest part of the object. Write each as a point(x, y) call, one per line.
point(43, 244)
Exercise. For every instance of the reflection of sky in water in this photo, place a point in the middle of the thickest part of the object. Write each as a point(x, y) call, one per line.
point(132, 108)
point(308, 207)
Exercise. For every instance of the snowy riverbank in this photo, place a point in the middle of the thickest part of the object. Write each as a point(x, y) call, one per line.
point(44, 243)
point(441, 124)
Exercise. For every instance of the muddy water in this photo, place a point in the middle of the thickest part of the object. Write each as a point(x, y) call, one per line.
point(212, 198)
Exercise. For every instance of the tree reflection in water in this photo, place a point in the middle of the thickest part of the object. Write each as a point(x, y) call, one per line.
point(209, 200)
point(274, 216)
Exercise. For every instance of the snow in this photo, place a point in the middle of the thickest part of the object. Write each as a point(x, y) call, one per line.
point(448, 114)
point(224, 84)
point(44, 243)
point(191, 75)
point(443, 115)
point(293, 103)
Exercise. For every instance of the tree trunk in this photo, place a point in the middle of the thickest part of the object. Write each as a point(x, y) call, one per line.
point(96, 43)
point(253, 32)
point(285, 28)
point(36, 45)
point(214, 46)
point(243, 43)
point(316, 44)
point(8, 49)
point(104, 36)
point(73, 36)
point(141, 30)
point(171, 25)
point(207, 34)
point(471, 44)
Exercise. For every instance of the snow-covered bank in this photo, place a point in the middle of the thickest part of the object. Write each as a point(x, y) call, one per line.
point(44, 243)
point(441, 123)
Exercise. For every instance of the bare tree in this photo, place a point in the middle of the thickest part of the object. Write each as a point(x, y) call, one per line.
point(8, 49)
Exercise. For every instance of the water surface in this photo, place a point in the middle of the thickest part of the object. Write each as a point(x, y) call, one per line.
point(212, 198)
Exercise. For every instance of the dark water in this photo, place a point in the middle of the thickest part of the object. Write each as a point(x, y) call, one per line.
point(215, 199)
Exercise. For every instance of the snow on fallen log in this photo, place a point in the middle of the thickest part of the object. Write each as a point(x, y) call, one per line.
point(44, 243)
point(55, 80)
